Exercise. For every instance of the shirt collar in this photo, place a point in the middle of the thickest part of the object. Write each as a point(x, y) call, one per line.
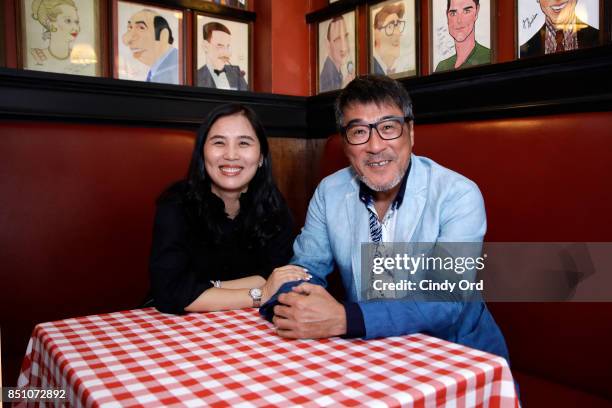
point(366, 194)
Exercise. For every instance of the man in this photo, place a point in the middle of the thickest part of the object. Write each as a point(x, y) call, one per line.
point(387, 194)
point(461, 16)
point(388, 28)
point(562, 30)
point(337, 69)
point(149, 37)
point(218, 72)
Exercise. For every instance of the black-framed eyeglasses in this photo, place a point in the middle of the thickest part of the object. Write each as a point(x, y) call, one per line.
point(390, 27)
point(388, 128)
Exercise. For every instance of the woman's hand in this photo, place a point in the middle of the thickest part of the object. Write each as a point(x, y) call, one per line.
point(281, 275)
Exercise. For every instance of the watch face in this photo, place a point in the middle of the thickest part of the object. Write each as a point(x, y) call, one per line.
point(255, 293)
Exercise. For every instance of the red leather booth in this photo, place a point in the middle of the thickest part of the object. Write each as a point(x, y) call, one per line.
point(77, 205)
point(76, 210)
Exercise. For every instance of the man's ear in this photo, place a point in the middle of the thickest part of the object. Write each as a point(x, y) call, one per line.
point(164, 36)
point(205, 46)
point(477, 10)
point(411, 129)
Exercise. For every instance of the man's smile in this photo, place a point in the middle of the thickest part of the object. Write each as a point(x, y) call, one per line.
point(378, 163)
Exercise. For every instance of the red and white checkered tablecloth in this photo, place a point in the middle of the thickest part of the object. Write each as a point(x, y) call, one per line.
point(146, 358)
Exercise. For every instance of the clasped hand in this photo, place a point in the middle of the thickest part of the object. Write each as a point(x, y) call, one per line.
point(281, 275)
point(309, 311)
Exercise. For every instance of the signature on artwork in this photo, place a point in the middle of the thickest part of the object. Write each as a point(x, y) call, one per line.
point(445, 43)
point(527, 22)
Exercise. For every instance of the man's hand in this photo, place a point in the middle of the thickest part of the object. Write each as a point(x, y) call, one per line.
point(309, 312)
point(281, 275)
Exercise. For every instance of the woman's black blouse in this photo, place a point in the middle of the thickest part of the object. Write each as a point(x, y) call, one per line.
point(183, 262)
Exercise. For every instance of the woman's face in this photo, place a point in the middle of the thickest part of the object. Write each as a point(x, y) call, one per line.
point(232, 154)
point(67, 24)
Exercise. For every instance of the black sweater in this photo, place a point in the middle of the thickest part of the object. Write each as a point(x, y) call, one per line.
point(184, 259)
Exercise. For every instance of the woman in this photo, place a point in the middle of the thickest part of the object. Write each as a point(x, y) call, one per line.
point(60, 21)
point(220, 234)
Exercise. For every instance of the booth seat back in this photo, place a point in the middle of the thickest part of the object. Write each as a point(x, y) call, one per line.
point(76, 212)
point(544, 179)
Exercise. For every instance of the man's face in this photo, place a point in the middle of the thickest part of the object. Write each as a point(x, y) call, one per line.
point(140, 38)
point(338, 42)
point(380, 164)
point(218, 49)
point(388, 45)
point(558, 11)
point(461, 17)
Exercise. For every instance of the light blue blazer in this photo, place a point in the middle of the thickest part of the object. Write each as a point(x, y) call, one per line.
point(439, 206)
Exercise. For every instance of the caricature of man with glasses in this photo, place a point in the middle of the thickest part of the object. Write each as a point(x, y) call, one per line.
point(388, 28)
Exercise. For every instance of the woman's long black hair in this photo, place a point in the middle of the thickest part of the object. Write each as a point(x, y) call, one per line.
point(265, 205)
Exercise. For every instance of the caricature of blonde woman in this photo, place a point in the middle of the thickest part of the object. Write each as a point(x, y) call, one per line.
point(61, 27)
point(60, 21)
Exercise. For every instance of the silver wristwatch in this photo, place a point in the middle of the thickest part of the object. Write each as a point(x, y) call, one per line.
point(255, 294)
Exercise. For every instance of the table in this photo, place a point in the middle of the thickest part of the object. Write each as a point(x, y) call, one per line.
point(234, 358)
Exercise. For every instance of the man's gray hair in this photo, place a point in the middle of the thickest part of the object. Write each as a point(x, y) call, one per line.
point(377, 89)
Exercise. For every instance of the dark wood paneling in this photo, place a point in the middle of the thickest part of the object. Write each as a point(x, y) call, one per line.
point(573, 81)
point(295, 163)
point(568, 82)
point(39, 95)
point(208, 7)
point(334, 9)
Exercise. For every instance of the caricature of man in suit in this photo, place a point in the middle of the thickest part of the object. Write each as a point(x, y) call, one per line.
point(562, 30)
point(218, 72)
point(334, 75)
point(150, 39)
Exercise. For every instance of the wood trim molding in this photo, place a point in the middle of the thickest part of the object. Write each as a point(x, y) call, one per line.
point(569, 82)
point(49, 96)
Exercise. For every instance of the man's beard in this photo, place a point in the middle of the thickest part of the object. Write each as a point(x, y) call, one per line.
point(388, 186)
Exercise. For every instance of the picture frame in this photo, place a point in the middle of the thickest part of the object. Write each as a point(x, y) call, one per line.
point(338, 56)
point(239, 4)
point(62, 37)
point(148, 42)
point(393, 48)
point(583, 17)
point(462, 36)
point(222, 53)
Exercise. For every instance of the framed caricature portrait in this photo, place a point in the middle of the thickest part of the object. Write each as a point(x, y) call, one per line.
point(222, 50)
point(392, 38)
point(148, 43)
point(462, 35)
point(546, 27)
point(336, 52)
point(60, 36)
